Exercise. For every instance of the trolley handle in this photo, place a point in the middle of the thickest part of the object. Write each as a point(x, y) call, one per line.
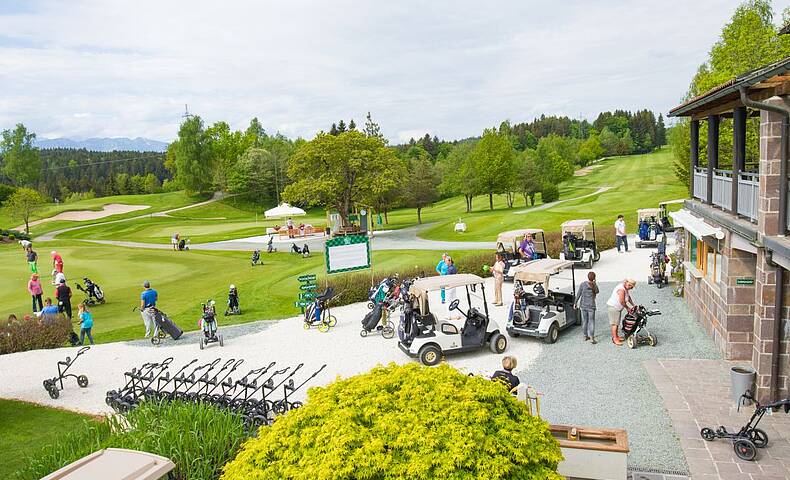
point(82, 350)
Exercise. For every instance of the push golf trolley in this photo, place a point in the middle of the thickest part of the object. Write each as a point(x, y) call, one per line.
point(749, 438)
point(318, 313)
point(54, 385)
point(208, 324)
point(93, 293)
point(634, 327)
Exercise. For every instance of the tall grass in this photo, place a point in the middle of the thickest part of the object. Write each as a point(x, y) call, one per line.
point(198, 438)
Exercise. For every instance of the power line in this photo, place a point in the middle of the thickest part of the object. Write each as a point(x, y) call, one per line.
point(104, 162)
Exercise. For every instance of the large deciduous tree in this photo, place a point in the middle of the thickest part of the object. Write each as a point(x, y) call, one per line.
point(339, 171)
point(189, 157)
point(421, 188)
point(22, 204)
point(458, 173)
point(493, 157)
point(253, 176)
point(21, 162)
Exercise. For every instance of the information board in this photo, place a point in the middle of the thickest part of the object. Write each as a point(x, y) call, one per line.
point(347, 254)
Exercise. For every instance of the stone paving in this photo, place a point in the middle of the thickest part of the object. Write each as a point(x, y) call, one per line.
point(697, 394)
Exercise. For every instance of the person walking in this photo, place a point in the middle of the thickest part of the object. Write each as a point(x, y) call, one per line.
point(36, 290)
point(57, 261)
point(498, 271)
point(585, 303)
point(32, 259)
point(86, 323)
point(619, 300)
point(63, 295)
point(621, 236)
point(174, 241)
point(441, 269)
point(148, 299)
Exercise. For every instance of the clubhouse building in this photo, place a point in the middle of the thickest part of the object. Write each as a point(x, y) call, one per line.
point(734, 242)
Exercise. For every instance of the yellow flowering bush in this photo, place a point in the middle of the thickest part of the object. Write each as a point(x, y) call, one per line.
point(403, 421)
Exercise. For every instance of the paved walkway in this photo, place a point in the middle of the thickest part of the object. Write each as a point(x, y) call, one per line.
point(697, 394)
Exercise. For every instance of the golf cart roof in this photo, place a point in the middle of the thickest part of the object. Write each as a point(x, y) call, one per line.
point(670, 202)
point(422, 286)
point(648, 212)
point(115, 463)
point(539, 271)
point(576, 226)
point(513, 235)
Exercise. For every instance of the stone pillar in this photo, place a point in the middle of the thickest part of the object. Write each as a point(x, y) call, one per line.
point(768, 225)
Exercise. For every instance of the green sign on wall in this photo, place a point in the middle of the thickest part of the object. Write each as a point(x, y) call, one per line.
point(347, 254)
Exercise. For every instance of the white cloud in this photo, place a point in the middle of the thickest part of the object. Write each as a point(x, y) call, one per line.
point(113, 68)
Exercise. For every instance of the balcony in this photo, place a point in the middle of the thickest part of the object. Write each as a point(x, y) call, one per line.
point(722, 191)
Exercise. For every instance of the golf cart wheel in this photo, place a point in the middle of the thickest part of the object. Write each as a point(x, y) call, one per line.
point(221, 341)
point(363, 333)
point(498, 343)
point(744, 449)
point(53, 392)
point(652, 340)
point(332, 321)
point(82, 381)
point(323, 327)
point(631, 341)
point(306, 325)
point(554, 333)
point(708, 434)
point(202, 344)
point(596, 255)
point(370, 305)
point(758, 437)
point(389, 330)
point(430, 355)
point(589, 264)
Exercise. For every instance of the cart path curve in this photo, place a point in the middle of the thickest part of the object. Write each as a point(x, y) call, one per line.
point(49, 236)
point(552, 204)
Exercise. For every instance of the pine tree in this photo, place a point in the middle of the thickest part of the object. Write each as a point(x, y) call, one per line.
point(333, 130)
point(352, 125)
point(661, 132)
point(372, 129)
point(341, 126)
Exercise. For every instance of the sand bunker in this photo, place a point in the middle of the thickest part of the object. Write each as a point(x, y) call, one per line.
point(84, 215)
point(584, 171)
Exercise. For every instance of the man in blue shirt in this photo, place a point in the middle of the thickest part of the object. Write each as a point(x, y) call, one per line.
point(148, 300)
point(49, 313)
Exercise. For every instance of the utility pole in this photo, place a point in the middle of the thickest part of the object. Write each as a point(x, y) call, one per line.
point(186, 115)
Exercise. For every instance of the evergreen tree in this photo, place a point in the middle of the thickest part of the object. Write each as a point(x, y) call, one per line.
point(661, 132)
point(352, 125)
point(333, 130)
point(341, 126)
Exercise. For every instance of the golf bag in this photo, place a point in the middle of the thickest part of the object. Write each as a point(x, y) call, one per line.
point(295, 249)
point(372, 318)
point(182, 245)
point(658, 269)
point(270, 246)
point(93, 292)
point(208, 321)
point(649, 230)
point(305, 251)
point(165, 324)
point(256, 257)
point(377, 294)
point(569, 247)
point(409, 326)
point(233, 302)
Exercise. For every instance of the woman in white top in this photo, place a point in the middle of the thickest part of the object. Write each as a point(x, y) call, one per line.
point(620, 299)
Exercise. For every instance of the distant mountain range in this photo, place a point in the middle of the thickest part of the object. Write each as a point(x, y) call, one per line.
point(138, 144)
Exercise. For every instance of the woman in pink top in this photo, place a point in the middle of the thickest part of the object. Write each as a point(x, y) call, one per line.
point(35, 289)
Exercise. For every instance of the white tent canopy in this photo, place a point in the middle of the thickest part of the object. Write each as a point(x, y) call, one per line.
point(284, 210)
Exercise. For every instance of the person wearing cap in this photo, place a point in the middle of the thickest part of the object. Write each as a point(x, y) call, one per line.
point(148, 300)
point(57, 261)
point(36, 290)
point(63, 294)
point(620, 299)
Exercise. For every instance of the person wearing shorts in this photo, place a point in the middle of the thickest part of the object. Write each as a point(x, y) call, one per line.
point(620, 299)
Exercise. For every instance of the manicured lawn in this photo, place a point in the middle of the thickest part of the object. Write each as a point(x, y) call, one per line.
point(26, 428)
point(183, 280)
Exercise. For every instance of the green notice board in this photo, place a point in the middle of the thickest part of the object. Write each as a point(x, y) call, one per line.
point(347, 254)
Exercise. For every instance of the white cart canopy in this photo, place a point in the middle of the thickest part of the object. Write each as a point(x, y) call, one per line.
point(284, 210)
point(539, 271)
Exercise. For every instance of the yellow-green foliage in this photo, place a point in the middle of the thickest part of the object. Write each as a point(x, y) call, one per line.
point(403, 422)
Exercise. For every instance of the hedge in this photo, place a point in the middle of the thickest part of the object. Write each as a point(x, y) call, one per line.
point(404, 421)
point(31, 333)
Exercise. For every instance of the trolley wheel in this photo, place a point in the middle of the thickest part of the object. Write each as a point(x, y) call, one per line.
point(155, 340)
point(221, 342)
point(48, 383)
point(82, 381)
point(202, 345)
point(296, 405)
point(498, 343)
point(554, 333)
point(364, 333)
point(430, 355)
point(370, 305)
point(306, 325)
point(758, 437)
point(652, 340)
point(708, 434)
point(631, 341)
point(323, 327)
point(388, 331)
point(744, 449)
point(53, 392)
point(332, 321)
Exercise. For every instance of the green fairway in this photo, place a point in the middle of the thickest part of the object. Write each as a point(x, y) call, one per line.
point(26, 428)
point(183, 280)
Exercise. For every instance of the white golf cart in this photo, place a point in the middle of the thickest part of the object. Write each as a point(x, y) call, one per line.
point(648, 227)
point(540, 311)
point(578, 242)
point(507, 244)
point(428, 336)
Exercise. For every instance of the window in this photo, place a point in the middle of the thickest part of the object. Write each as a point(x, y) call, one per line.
point(706, 258)
point(693, 250)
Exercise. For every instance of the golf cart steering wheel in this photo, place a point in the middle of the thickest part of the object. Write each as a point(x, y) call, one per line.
point(538, 289)
point(454, 306)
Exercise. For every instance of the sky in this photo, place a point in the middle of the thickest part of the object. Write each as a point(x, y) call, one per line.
point(107, 68)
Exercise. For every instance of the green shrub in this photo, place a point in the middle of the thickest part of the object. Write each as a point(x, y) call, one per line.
point(549, 193)
point(199, 439)
point(77, 196)
point(403, 421)
point(31, 333)
point(5, 192)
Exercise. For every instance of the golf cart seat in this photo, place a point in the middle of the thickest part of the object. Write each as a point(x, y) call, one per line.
point(533, 314)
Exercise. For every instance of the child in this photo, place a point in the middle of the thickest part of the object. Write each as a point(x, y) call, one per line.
point(506, 376)
point(86, 323)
